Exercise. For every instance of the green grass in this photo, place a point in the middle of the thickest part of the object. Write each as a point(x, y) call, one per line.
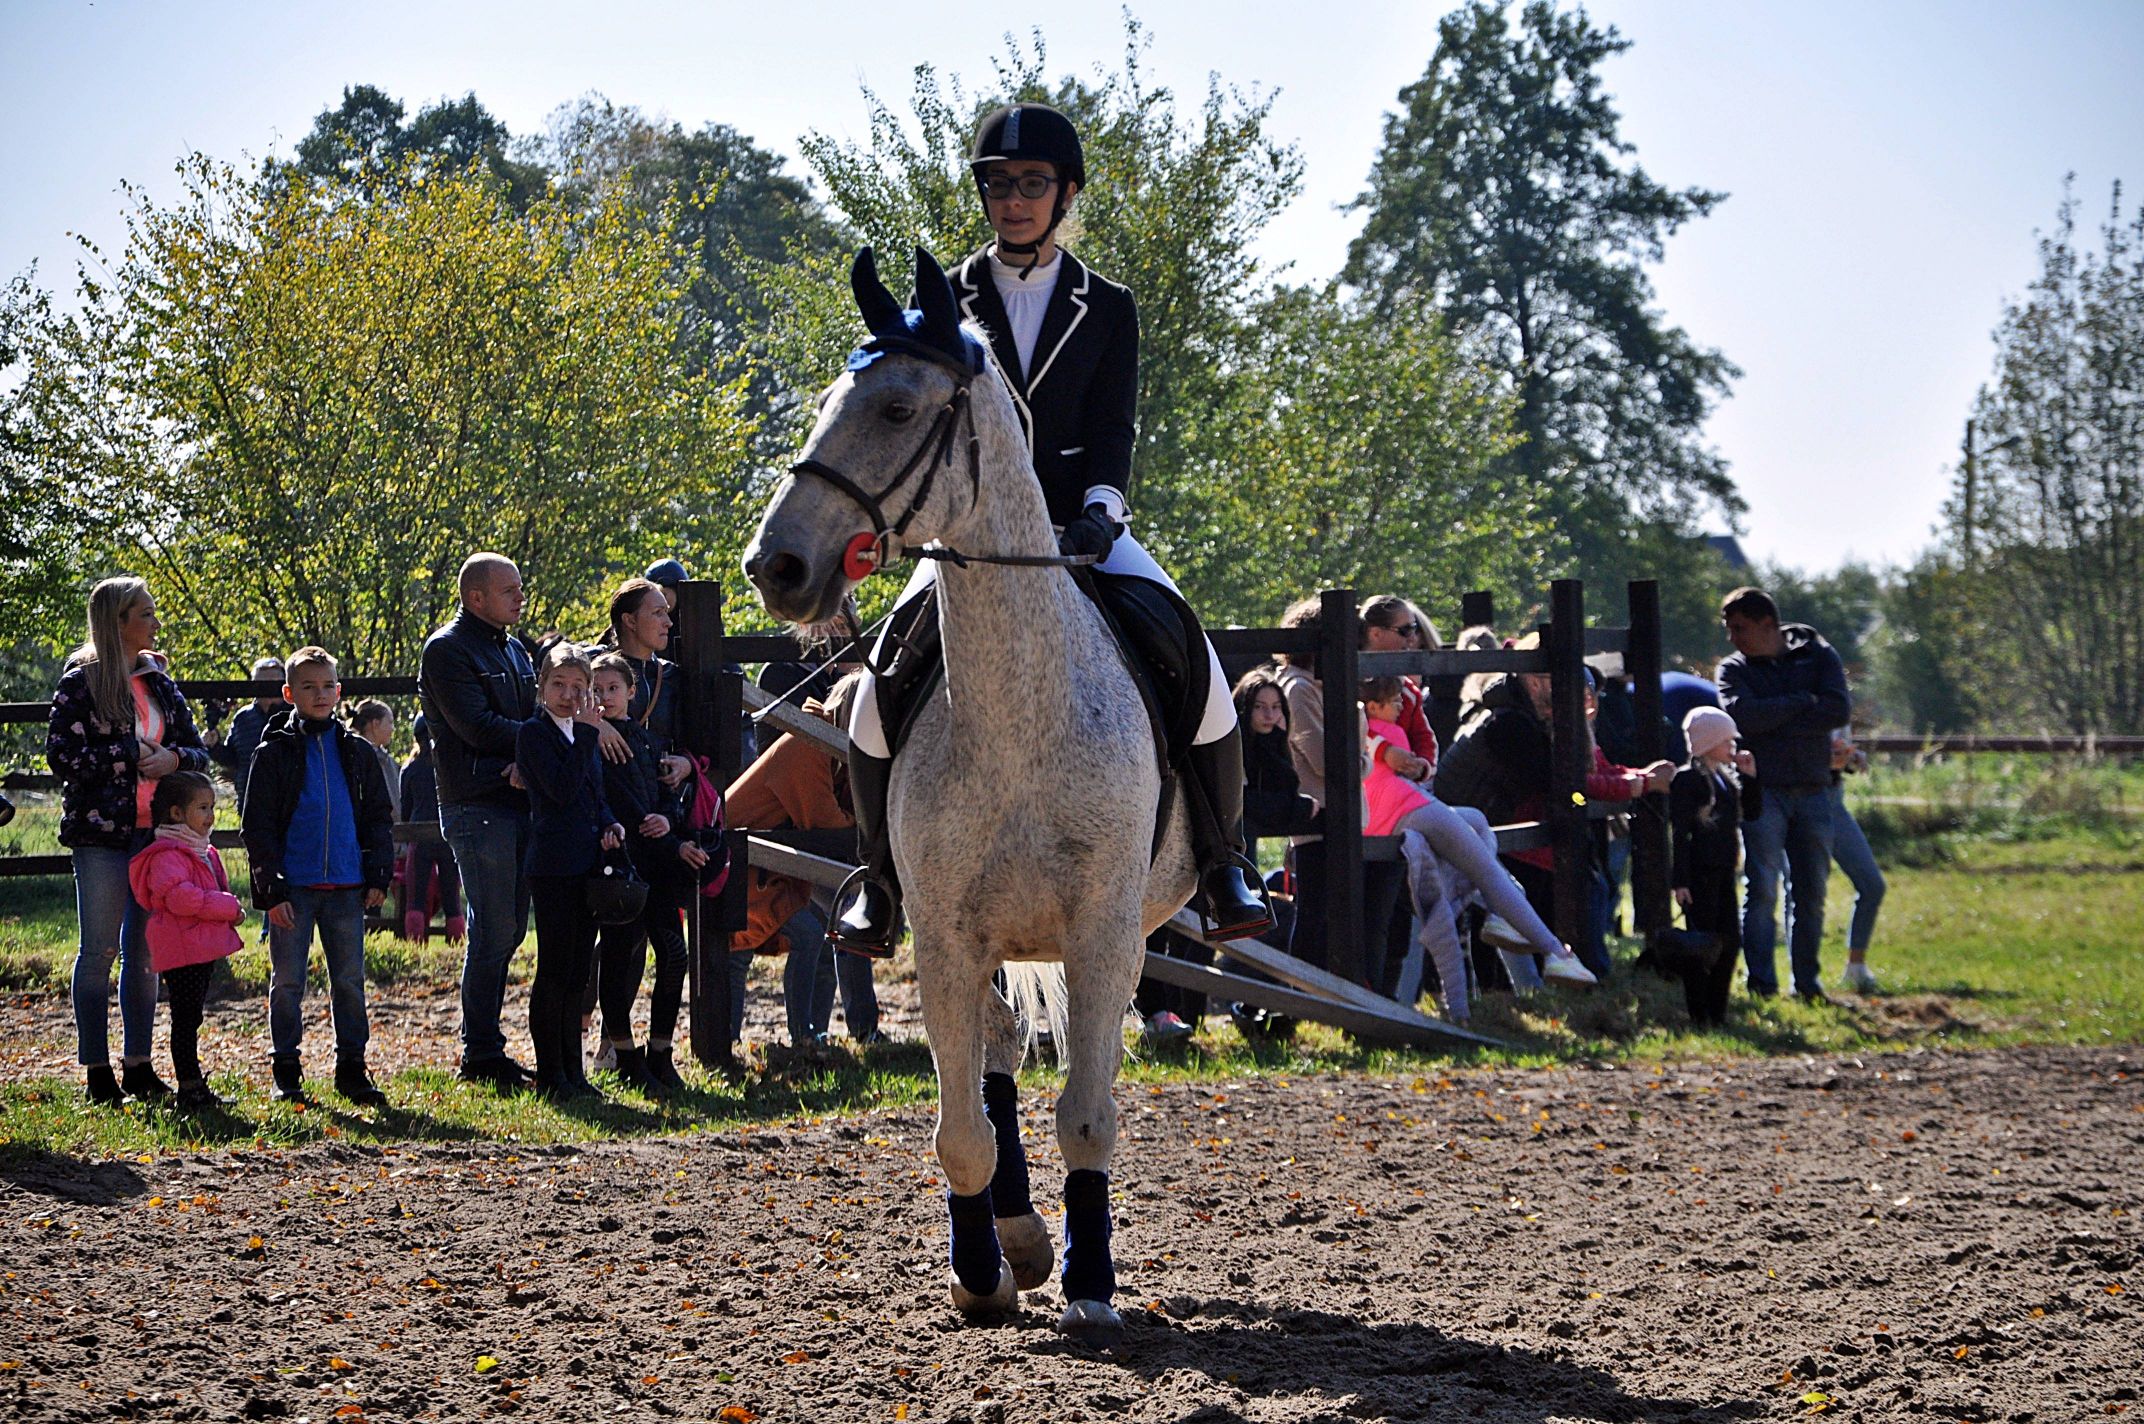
point(2016, 928)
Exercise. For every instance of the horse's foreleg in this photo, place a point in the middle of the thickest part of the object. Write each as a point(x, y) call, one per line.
point(952, 997)
point(1022, 1234)
point(1100, 976)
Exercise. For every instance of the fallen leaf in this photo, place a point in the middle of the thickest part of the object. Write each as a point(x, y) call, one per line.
point(337, 1362)
point(485, 1364)
point(1961, 1352)
point(737, 1414)
point(796, 1357)
point(651, 1380)
point(2115, 1289)
point(900, 1411)
point(349, 1411)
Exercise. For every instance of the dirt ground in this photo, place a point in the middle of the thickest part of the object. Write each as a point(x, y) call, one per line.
point(1925, 1236)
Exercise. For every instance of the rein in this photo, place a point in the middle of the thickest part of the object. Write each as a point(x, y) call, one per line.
point(868, 553)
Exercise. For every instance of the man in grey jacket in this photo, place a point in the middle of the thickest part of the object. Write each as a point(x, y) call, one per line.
point(1786, 689)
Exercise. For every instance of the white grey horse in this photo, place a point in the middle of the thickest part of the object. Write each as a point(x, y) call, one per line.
point(1022, 806)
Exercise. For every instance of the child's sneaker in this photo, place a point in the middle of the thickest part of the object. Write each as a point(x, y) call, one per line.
point(1859, 979)
point(1167, 1028)
point(606, 1059)
point(1497, 930)
point(1565, 966)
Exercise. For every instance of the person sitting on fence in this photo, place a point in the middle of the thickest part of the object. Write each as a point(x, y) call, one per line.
point(1708, 800)
point(374, 722)
point(1462, 839)
point(571, 829)
point(1850, 850)
point(654, 816)
point(1392, 624)
point(798, 784)
point(233, 750)
point(429, 876)
point(320, 839)
point(119, 724)
point(193, 918)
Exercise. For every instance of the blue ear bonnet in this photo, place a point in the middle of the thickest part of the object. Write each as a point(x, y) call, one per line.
point(930, 329)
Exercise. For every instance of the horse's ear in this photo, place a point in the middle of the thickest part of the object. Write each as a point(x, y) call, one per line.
point(882, 314)
point(941, 318)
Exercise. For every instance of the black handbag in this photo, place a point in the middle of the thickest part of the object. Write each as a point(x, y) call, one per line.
point(1683, 952)
point(616, 893)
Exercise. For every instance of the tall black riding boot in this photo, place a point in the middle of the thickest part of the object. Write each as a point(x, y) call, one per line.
point(867, 921)
point(1235, 902)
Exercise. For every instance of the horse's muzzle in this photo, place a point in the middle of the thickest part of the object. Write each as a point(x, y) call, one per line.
point(787, 588)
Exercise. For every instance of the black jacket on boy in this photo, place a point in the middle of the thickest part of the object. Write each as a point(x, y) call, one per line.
point(276, 782)
point(1077, 404)
point(1705, 815)
point(478, 686)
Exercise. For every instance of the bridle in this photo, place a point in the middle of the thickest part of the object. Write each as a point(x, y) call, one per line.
point(868, 553)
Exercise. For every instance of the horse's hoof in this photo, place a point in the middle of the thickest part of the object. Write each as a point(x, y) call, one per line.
point(1092, 1323)
point(1025, 1241)
point(1002, 1301)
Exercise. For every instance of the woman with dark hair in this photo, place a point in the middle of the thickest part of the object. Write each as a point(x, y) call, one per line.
point(119, 724)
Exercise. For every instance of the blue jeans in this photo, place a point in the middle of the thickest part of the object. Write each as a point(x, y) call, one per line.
point(814, 971)
point(489, 843)
point(1793, 837)
point(1850, 848)
point(339, 915)
point(113, 926)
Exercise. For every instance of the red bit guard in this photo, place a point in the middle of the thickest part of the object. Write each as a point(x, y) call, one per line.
point(860, 560)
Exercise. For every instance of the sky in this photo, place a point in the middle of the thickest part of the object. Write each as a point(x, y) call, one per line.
point(1887, 165)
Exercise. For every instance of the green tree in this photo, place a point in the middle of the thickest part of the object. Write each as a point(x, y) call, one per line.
point(363, 143)
point(1503, 197)
point(2055, 530)
point(295, 407)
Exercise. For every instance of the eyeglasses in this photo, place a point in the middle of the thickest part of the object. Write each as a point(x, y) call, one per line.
point(1404, 630)
point(1027, 185)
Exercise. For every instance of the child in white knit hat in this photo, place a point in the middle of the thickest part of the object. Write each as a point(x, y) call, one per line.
point(1710, 797)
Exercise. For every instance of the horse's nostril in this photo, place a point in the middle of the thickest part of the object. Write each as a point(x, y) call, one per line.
point(780, 571)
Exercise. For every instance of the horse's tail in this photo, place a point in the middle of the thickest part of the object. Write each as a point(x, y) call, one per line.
point(1036, 991)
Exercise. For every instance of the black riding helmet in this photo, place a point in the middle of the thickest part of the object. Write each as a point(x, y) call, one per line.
point(1036, 132)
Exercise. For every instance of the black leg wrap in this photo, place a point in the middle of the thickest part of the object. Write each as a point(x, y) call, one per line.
point(1008, 1185)
point(975, 1241)
point(1090, 1272)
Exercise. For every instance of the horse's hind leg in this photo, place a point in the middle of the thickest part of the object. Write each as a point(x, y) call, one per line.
point(1022, 1233)
point(1100, 976)
point(953, 996)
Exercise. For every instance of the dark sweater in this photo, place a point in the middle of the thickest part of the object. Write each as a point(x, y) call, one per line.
point(1785, 707)
point(633, 789)
point(1706, 810)
point(1272, 803)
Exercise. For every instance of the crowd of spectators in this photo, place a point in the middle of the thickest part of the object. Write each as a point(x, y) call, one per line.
point(547, 762)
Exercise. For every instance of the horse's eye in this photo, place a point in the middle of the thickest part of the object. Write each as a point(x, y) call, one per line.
point(900, 414)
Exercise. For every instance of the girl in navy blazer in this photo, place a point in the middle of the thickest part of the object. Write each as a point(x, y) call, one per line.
point(570, 828)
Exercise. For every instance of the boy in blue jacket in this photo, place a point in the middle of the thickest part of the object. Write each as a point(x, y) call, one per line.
point(319, 832)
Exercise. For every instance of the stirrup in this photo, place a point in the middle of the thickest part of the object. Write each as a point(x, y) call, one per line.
point(1242, 929)
point(861, 880)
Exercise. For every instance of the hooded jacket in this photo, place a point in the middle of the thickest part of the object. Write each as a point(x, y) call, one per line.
point(192, 911)
point(289, 753)
point(1786, 706)
point(1501, 763)
point(477, 686)
point(95, 760)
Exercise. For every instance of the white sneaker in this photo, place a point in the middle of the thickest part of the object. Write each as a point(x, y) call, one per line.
point(1565, 966)
point(1166, 1027)
point(606, 1059)
point(1859, 979)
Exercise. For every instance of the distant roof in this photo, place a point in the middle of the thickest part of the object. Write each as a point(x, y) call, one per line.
point(1729, 548)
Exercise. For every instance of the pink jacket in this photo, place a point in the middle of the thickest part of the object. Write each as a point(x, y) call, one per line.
point(1387, 796)
point(192, 912)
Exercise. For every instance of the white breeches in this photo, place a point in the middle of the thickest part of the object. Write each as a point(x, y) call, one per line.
point(1125, 557)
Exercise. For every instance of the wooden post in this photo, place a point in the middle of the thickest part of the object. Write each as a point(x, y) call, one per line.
point(1341, 633)
point(1477, 609)
point(1651, 907)
point(1572, 758)
point(713, 709)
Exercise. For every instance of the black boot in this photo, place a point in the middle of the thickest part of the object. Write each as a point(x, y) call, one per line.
point(663, 1069)
point(140, 1081)
point(868, 919)
point(289, 1080)
point(354, 1083)
point(1235, 901)
point(633, 1072)
point(103, 1086)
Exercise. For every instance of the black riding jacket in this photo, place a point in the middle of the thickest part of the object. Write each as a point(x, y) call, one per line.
point(477, 686)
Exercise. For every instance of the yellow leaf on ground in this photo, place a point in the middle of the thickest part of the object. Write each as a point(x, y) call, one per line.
point(485, 1364)
point(796, 1357)
point(337, 1362)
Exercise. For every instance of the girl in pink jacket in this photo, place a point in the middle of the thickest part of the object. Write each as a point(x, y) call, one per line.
point(193, 917)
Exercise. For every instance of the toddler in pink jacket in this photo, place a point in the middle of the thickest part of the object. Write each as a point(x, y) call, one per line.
point(193, 917)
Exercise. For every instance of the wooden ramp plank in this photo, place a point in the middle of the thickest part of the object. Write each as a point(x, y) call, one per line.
point(1392, 1025)
point(778, 859)
point(767, 708)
